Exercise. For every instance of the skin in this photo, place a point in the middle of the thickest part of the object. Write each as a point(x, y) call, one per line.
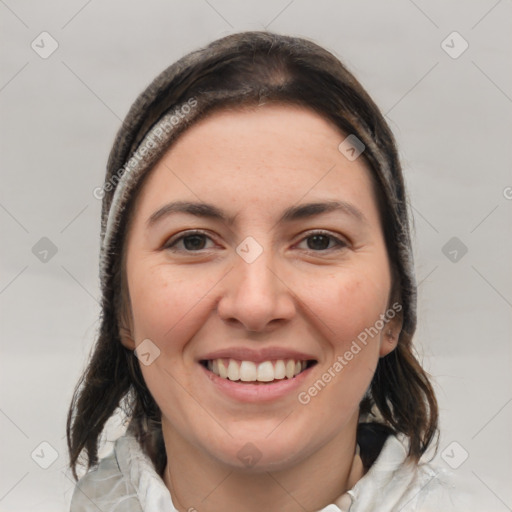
point(254, 163)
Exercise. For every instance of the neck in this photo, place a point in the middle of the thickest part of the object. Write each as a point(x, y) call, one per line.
point(198, 482)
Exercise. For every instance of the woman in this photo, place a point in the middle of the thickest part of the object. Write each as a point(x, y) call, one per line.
point(258, 297)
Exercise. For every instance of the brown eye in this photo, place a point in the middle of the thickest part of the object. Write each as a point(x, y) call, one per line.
point(191, 242)
point(318, 242)
point(194, 242)
point(321, 242)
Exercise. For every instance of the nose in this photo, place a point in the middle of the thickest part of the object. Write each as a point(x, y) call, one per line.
point(255, 296)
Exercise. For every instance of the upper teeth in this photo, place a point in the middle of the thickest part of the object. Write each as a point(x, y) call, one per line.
point(248, 371)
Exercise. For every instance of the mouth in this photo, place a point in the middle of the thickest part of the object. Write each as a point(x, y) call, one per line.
point(257, 373)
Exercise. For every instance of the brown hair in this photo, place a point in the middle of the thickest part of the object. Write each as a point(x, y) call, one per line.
point(244, 69)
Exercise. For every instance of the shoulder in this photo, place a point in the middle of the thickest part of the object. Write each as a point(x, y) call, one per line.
point(393, 483)
point(124, 481)
point(430, 489)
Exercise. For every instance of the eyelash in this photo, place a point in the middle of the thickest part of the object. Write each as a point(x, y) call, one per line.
point(339, 244)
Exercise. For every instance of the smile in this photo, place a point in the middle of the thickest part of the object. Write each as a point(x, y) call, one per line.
point(249, 371)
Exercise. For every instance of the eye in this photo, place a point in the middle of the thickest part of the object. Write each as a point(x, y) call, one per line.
point(196, 241)
point(320, 241)
point(191, 241)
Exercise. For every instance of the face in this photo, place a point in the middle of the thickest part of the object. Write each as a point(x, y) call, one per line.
point(256, 266)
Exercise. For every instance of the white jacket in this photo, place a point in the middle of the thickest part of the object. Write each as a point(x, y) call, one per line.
point(126, 481)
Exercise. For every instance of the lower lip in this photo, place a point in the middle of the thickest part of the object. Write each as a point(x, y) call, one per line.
point(261, 392)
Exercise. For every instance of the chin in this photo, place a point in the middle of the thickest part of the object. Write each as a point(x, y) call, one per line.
point(264, 452)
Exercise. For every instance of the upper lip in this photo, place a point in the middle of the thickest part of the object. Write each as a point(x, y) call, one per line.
point(257, 356)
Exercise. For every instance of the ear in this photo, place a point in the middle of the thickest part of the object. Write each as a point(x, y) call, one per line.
point(390, 335)
point(126, 337)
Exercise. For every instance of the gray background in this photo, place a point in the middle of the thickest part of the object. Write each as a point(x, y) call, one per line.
point(452, 118)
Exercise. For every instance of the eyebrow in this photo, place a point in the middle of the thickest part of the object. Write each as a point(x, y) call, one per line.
point(292, 213)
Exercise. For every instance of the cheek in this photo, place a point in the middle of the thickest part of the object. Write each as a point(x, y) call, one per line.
point(348, 303)
point(348, 308)
point(169, 304)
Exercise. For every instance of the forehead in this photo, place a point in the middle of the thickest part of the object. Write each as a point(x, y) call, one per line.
point(272, 154)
